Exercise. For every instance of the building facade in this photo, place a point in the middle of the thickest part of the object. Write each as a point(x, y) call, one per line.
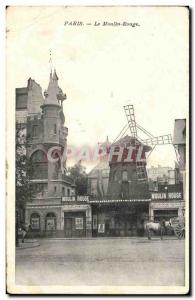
point(168, 200)
point(98, 177)
point(125, 207)
point(54, 209)
point(120, 197)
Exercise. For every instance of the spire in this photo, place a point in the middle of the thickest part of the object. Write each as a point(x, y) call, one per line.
point(50, 77)
point(53, 94)
point(50, 61)
point(55, 77)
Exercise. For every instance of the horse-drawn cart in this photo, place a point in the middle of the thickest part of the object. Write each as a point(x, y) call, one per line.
point(178, 225)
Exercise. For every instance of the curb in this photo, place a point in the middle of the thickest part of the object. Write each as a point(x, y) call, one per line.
point(28, 244)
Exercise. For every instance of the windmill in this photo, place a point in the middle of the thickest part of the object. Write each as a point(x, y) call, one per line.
point(149, 140)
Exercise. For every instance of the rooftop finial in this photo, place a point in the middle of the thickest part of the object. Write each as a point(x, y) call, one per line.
point(50, 61)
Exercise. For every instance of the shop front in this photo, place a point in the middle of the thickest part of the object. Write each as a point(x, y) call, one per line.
point(166, 205)
point(76, 220)
point(74, 224)
point(122, 218)
point(65, 220)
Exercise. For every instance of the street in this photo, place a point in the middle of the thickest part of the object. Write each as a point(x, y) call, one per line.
point(120, 261)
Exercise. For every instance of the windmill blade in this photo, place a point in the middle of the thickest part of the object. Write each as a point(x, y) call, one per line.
point(121, 133)
point(159, 140)
point(144, 130)
point(129, 111)
point(151, 151)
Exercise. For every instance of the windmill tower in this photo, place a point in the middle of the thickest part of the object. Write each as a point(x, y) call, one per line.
point(128, 175)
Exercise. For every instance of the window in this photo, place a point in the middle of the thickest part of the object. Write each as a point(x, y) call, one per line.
point(124, 175)
point(55, 189)
point(63, 191)
point(55, 129)
point(39, 165)
point(35, 130)
point(115, 175)
point(68, 192)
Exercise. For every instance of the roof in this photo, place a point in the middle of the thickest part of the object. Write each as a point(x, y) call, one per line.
point(127, 141)
point(179, 136)
point(102, 165)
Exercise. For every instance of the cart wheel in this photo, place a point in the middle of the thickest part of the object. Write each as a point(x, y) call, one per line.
point(179, 232)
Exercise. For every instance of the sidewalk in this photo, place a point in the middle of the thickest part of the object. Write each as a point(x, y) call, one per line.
point(141, 238)
point(31, 243)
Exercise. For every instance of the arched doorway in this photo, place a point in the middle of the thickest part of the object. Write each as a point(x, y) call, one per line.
point(50, 222)
point(35, 221)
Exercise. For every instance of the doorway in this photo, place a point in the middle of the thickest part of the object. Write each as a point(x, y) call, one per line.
point(74, 224)
point(68, 227)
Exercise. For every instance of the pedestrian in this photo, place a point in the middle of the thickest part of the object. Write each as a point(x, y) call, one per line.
point(24, 231)
point(162, 228)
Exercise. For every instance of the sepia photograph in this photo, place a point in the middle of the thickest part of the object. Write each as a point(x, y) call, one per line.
point(97, 166)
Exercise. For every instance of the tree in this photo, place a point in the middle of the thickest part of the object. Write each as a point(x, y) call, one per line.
point(78, 174)
point(23, 170)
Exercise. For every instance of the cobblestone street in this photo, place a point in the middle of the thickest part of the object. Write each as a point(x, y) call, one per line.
point(121, 261)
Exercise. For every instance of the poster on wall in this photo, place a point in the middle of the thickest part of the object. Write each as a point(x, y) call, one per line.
point(101, 228)
point(79, 223)
point(35, 223)
point(50, 224)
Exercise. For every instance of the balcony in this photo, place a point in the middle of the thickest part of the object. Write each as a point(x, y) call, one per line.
point(67, 179)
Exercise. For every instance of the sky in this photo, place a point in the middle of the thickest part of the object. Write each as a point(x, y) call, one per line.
point(103, 68)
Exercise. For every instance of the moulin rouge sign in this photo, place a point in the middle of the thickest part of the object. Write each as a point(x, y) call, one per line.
point(167, 196)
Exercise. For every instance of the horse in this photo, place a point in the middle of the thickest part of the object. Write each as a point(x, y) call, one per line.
point(156, 227)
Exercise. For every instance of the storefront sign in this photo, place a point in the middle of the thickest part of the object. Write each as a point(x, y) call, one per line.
point(79, 223)
point(165, 196)
point(83, 198)
point(101, 228)
point(35, 223)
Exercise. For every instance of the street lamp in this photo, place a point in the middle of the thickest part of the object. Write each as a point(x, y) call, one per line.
point(166, 190)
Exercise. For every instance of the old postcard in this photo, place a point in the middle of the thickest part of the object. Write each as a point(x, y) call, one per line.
point(97, 149)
